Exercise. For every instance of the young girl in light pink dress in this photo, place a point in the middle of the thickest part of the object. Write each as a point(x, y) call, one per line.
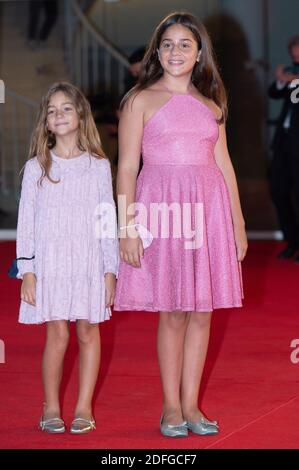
point(182, 232)
point(67, 231)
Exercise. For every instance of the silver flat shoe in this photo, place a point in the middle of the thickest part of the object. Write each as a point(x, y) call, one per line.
point(52, 425)
point(174, 430)
point(203, 427)
point(81, 425)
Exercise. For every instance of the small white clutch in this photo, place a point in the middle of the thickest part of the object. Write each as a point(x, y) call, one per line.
point(145, 235)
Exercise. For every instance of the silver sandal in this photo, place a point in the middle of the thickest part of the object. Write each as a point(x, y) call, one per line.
point(173, 430)
point(82, 425)
point(52, 425)
point(203, 427)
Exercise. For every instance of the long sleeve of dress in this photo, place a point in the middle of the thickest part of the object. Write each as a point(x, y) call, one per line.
point(26, 216)
point(108, 238)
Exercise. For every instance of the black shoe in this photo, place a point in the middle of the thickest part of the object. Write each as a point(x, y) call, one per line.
point(287, 252)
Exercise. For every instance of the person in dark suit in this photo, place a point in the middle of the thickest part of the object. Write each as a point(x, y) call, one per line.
point(39, 28)
point(284, 167)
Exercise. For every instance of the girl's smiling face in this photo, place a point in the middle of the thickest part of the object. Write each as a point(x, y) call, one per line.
point(62, 117)
point(178, 50)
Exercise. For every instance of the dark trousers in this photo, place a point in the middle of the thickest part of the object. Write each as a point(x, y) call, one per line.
point(284, 187)
point(36, 9)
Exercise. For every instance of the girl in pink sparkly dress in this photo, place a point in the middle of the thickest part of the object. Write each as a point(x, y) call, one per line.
point(182, 233)
point(67, 231)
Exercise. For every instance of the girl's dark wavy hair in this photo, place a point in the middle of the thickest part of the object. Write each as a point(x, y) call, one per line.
point(205, 76)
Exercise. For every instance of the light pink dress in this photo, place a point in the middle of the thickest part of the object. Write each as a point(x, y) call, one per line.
point(57, 224)
point(180, 167)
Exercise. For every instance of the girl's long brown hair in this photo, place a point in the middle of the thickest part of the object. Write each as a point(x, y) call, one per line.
point(205, 76)
point(42, 140)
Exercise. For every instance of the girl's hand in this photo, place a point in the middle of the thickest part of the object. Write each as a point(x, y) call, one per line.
point(110, 284)
point(28, 288)
point(241, 242)
point(131, 250)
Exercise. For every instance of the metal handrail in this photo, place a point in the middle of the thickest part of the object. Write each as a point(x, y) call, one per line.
point(22, 99)
point(98, 36)
point(14, 139)
point(95, 63)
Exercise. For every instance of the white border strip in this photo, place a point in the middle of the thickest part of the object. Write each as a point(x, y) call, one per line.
point(8, 234)
point(252, 235)
point(264, 235)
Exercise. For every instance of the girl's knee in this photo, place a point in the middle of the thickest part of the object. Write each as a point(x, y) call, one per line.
point(174, 320)
point(58, 332)
point(201, 319)
point(86, 332)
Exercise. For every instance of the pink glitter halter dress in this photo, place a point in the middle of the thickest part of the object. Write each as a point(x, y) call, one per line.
point(191, 263)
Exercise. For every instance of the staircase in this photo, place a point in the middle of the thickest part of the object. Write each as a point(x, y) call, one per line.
point(95, 63)
point(26, 74)
point(75, 51)
point(25, 71)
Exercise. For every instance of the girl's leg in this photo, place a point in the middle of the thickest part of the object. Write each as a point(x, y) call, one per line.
point(90, 351)
point(171, 333)
point(52, 365)
point(195, 350)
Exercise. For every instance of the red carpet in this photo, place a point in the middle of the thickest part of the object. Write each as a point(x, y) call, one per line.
point(250, 385)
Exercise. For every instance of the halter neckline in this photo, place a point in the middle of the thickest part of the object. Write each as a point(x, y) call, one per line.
point(176, 93)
